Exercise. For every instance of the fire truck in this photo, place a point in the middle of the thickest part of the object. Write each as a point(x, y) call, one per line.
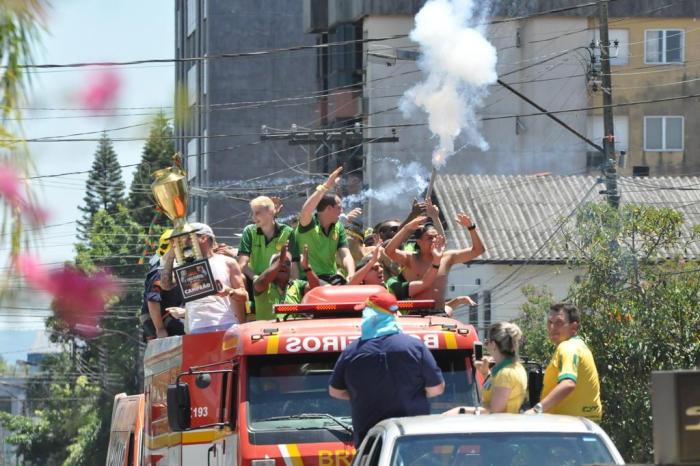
point(257, 394)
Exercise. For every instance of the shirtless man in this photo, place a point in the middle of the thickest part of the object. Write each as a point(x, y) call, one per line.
point(416, 264)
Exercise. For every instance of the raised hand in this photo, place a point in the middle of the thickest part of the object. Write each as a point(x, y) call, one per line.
point(283, 255)
point(354, 214)
point(464, 220)
point(305, 258)
point(416, 222)
point(431, 210)
point(277, 201)
point(437, 248)
point(333, 178)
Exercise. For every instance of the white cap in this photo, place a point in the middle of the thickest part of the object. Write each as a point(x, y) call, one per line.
point(203, 229)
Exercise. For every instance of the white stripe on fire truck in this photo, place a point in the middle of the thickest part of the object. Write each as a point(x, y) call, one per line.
point(291, 454)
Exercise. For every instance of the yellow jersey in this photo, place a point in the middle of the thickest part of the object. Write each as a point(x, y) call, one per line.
point(507, 374)
point(573, 360)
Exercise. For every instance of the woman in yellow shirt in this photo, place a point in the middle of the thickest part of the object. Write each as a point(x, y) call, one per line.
point(505, 386)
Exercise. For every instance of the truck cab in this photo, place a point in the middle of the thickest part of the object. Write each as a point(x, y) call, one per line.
point(257, 394)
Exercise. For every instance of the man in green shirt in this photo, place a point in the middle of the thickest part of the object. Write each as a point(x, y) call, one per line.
point(274, 286)
point(261, 239)
point(323, 233)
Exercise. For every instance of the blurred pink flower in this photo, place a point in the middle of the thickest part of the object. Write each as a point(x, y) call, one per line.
point(11, 189)
point(78, 299)
point(101, 90)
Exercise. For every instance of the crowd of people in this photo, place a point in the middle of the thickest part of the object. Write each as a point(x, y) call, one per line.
point(278, 263)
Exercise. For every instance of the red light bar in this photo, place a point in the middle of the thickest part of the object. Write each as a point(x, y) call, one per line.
point(336, 307)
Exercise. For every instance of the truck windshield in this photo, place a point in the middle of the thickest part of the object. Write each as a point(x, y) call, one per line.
point(284, 389)
point(501, 449)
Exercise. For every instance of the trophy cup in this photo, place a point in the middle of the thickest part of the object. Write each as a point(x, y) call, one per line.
point(193, 273)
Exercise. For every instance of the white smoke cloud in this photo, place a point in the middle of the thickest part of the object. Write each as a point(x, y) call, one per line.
point(459, 64)
point(410, 180)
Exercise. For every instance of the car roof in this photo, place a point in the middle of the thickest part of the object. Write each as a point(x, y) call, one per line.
point(491, 423)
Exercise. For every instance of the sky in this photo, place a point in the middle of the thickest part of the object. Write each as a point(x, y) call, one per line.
point(86, 31)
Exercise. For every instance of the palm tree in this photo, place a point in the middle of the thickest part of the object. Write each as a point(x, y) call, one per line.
point(20, 24)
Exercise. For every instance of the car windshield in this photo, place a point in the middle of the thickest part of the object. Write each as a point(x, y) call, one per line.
point(501, 449)
point(284, 390)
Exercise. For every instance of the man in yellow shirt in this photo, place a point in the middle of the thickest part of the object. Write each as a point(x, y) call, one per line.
point(571, 384)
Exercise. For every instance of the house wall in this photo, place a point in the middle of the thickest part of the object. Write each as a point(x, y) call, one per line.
point(640, 81)
point(526, 145)
point(505, 283)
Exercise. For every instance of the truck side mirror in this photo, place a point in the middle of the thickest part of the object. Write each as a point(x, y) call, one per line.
point(179, 407)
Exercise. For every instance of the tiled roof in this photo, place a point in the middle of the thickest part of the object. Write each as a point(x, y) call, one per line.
point(519, 217)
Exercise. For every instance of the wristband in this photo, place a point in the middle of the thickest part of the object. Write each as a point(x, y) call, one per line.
point(473, 227)
point(322, 187)
point(307, 270)
point(436, 266)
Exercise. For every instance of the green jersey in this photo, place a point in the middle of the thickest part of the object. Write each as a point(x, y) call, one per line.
point(322, 245)
point(255, 245)
point(398, 286)
point(274, 295)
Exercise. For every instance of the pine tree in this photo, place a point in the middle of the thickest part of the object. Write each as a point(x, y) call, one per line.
point(157, 154)
point(104, 189)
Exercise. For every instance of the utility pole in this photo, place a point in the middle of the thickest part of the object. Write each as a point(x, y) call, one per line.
point(610, 165)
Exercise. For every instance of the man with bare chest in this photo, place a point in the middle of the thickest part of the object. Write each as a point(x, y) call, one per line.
point(415, 264)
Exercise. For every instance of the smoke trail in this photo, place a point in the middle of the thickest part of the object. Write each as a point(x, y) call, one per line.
point(410, 180)
point(459, 64)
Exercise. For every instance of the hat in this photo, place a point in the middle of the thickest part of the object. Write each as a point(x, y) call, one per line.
point(380, 302)
point(164, 242)
point(202, 229)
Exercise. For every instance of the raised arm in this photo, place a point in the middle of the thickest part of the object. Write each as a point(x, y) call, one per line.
point(166, 275)
point(400, 257)
point(307, 210)
point(437, 249)
point(460, 256)
point(311, 277)
point(433, 212)
point(360, 275)
point(268, 276)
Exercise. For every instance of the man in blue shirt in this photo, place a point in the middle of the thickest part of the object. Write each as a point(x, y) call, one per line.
point(385, 373)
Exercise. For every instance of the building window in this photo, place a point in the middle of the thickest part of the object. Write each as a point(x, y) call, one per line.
point(192, 159)
point(191, 16)
point(663, 46)
point(205, 5)
point(620, 55)
point(192, 85)
point(596, 131)
point(205, 73)
point(663, 133)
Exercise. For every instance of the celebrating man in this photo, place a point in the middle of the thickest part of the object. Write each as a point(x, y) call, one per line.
point(219, 311)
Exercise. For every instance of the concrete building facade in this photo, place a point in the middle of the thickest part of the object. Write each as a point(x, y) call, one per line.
point(547, 57)
point(224, 98)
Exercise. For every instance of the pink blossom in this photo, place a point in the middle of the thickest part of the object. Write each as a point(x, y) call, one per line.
point(78, 299)
point(11, 190)
point(102, 90)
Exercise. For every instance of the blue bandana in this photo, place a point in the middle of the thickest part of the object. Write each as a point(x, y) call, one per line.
point(378, 324)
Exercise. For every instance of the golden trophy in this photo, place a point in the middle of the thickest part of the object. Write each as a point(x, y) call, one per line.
point(193, 272)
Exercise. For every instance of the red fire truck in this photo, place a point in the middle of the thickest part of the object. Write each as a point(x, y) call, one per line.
point(257, 394)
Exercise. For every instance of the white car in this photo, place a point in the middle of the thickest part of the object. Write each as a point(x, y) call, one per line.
point(487, 440)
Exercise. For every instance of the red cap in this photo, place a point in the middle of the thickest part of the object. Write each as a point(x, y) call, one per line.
point(382, 302)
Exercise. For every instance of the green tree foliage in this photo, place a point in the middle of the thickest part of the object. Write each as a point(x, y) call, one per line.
point(157, 154)
point(532, 321)
point(47, 437)
point(104, 188)
point(110, 361)
point(639, 300)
